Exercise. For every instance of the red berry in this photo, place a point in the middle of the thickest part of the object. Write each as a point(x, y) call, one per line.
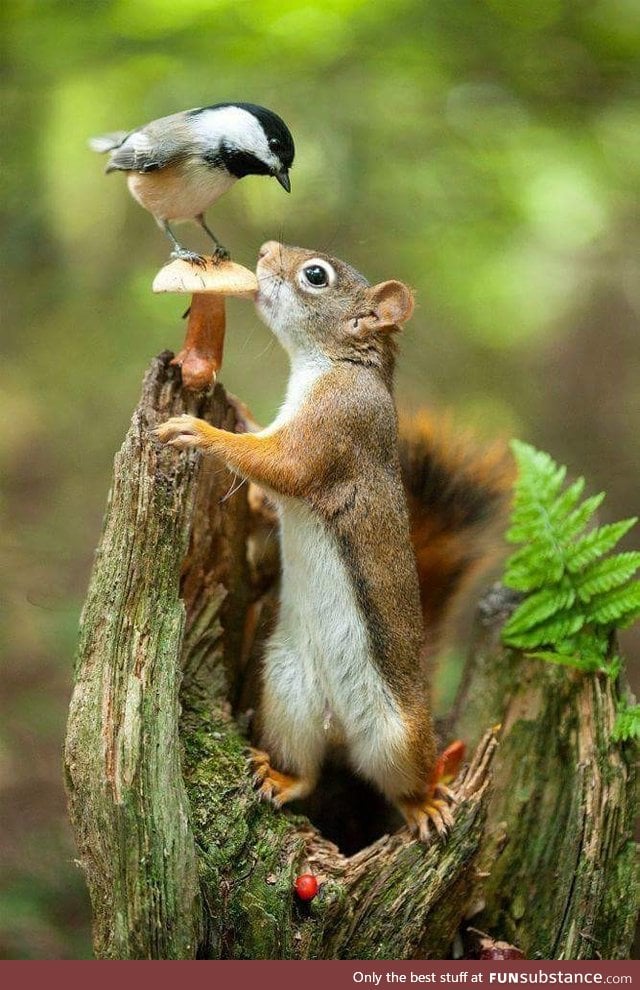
point(306, 886)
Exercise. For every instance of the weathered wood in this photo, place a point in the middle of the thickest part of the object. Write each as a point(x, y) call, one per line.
point(394, 900)
point(180, 857)
point(126, 795)
point(558, 843)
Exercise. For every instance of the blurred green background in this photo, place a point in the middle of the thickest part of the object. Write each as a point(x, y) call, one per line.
point(485, 151)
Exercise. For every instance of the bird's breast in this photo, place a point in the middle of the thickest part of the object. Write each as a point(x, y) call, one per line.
point(179, 192)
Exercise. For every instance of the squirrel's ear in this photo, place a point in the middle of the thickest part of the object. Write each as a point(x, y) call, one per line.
point(391, 305)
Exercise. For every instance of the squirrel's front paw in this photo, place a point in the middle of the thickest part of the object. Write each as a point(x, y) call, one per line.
point(181, 431)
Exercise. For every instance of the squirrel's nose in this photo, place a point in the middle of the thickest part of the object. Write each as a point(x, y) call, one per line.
point(268, 248)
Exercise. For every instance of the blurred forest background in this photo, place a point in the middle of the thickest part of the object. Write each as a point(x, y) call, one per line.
point(486, 151)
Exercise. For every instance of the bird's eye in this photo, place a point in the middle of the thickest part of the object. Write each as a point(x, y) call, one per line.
point(274, 144)
point(316, 275)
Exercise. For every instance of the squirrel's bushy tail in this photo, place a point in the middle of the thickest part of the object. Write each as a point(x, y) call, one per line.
point(458, 496)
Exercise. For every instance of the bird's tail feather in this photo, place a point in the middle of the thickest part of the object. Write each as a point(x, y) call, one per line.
point(107, 142)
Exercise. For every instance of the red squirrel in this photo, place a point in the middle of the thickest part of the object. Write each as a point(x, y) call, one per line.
point(344, 663)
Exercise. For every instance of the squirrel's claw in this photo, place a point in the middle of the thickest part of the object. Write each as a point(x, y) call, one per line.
point(259, 764)
point(434, 808)
point(421, 815)
point(441, 808)
point(273, 786)
point(442, 791)
point(179, 431)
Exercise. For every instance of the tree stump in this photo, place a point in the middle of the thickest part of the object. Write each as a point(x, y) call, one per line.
point(182, 861)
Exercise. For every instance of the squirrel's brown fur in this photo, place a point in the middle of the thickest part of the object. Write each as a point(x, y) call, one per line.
point(458, 496)
point(344, 664)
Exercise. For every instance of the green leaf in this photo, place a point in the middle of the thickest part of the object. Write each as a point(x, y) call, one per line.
point(536, 468)
point(612, 667)
point(566, 501)
point(588, 664)
point(604, 575)
point(530, 568)
point(586, 651)
point(627, 724)
point(619, 607)
point(557, 628)
point(589, 641)
point(538, 607)
point(579, 518)
point(596, 543)
point(574, 594)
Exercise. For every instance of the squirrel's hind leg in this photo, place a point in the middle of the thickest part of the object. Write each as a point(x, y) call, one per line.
point(398, 754)
point(434, 808)
point(290, 722)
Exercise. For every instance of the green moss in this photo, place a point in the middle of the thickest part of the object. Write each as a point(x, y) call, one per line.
point(248, 877)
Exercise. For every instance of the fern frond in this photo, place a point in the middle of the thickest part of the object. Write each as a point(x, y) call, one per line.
point(587, 650)
point(604, 575)
point(588, 664)
point(523, 578)
point(612, 666)
point(538, 607)
point(538, 470)
point(575, 594)
point(627, 724)
point(558, 627)
point(567, 500)
point(578, 519)
point(596, 543)
point(619, 607)
point(539, 481)
point(532, 567)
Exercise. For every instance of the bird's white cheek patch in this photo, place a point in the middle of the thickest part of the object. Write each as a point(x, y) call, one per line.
point(238, 128)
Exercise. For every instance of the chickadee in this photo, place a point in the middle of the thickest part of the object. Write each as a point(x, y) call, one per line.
point(179, 165)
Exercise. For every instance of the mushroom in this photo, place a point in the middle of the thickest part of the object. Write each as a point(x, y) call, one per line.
point(201, 355)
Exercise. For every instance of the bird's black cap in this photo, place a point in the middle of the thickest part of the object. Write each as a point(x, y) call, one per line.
point(277, 132)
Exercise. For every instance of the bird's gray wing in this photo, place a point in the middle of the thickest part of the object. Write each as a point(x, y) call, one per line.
point(160, 143)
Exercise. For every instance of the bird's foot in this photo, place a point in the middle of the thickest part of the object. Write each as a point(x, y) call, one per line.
point(191, 257)
point(221, 254)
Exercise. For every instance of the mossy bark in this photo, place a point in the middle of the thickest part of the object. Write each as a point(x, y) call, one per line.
point(181, 859)
point(558, 842)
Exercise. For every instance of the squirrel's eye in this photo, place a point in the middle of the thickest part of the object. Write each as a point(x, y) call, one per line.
point(316, 275)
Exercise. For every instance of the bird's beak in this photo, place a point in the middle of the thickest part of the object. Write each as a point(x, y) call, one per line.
point(284, 180)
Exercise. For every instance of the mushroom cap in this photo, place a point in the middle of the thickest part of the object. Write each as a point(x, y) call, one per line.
point(224, 278)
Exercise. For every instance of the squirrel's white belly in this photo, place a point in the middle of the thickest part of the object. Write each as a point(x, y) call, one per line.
point(318, 663)
point(174, 193)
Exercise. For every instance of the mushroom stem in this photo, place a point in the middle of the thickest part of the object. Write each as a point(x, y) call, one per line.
point(201, 354)
point(208, 284)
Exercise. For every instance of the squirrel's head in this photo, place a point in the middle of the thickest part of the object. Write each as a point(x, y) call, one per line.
point(315, 303)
